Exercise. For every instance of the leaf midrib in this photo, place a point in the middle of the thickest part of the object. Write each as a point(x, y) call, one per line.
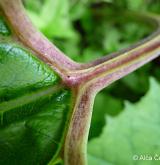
point(28, 98)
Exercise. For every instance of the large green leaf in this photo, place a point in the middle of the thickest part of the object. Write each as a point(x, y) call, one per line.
point(34, 108)
point(134, 132)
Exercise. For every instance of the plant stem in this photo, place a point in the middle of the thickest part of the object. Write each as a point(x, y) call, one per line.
point(91, 80)
point(77, 136)
point(119, 65)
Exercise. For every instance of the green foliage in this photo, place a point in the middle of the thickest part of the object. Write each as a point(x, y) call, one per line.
point(134, 132)
point(33, 108)
point(48, 21)
point(136, 5)
point(4, 30)
point(113, 107)
point(72, 25)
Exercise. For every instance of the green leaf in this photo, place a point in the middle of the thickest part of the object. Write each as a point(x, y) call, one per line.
point(135, 83)
point(100, 110)
point(4, 30)
point(53, 20)
point(78, 8)
point(134, 132)
point(34, 109)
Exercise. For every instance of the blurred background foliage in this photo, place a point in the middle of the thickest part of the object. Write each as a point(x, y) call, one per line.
point(88, 29)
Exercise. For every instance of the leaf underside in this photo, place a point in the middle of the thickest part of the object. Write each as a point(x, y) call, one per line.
point(34, 106)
